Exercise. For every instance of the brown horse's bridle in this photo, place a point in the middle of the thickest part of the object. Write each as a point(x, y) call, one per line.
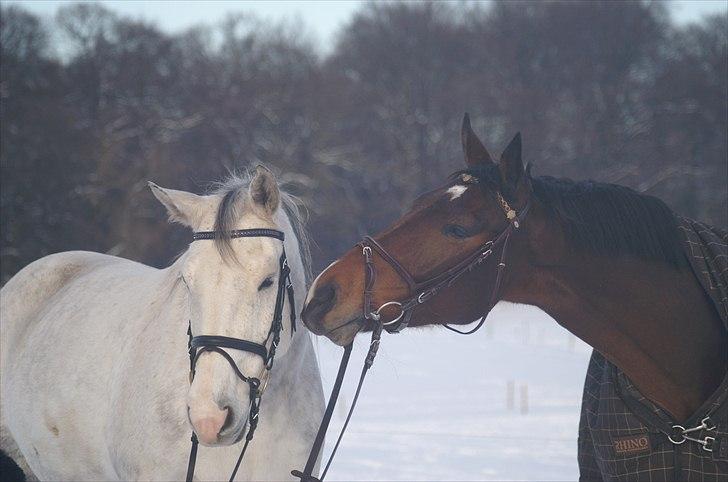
point(418, 293)
point(421, 292)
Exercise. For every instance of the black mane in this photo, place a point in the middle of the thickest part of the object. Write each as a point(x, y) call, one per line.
point(604, 219)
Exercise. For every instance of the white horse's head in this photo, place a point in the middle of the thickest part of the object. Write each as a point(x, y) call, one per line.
point(231, 286)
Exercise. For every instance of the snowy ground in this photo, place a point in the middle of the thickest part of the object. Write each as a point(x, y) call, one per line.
point(502, 404)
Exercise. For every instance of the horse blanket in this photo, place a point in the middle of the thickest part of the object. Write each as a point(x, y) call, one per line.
point(625, 437)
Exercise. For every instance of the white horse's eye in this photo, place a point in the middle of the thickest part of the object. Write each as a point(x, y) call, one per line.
point(266, 283)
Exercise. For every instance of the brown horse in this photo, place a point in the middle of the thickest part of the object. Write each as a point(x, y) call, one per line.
point(604, 261)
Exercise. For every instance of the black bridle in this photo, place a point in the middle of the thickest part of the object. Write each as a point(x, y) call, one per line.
point(418, 294)
point(200, 344)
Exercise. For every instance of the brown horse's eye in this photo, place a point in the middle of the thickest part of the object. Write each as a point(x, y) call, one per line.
point(265, 284)
point(455, 231)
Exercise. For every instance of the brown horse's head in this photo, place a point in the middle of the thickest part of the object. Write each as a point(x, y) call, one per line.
point(443, 228)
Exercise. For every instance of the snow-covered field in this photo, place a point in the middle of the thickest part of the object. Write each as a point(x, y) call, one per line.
point(502, 404)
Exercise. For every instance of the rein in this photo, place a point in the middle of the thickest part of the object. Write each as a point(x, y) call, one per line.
point(197, 345)
point(419, 293)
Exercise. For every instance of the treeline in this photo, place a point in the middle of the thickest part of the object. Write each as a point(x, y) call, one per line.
point(95, 104)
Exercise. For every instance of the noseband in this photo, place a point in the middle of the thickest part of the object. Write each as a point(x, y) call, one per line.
point(197, 345)
point(418, 293)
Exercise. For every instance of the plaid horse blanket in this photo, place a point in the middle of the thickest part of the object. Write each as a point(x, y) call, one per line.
point(625, 437)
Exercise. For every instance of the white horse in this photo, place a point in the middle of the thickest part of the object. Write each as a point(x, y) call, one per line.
point(94, 352)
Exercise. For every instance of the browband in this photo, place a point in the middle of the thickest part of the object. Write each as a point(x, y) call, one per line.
point(239, 233)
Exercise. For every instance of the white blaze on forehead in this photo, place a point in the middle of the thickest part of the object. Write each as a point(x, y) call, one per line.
point(312, 289)
point(456, 191)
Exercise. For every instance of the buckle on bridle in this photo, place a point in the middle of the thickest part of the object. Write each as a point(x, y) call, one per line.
point(510, 213)
point(377, 315)
point(484, 255)
point(424, 296)
point(264, 378)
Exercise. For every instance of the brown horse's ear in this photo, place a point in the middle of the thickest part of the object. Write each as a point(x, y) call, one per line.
point(511, 164)
point(475, 152)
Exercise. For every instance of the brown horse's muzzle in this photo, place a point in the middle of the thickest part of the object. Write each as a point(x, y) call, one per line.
point(333, 307)
point(322, 299)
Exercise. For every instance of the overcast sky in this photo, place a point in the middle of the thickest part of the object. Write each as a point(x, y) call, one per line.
point(322, 17)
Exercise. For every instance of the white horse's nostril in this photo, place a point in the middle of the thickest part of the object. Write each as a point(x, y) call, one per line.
point(208, 424)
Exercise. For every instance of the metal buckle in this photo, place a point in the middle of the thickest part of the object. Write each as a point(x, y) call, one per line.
point(484, 255)
point(708, 423)
point(367, 251)
point(705, 424)
point(680, 433)
point(264, 378)
point(373, 316)
point(378, 312)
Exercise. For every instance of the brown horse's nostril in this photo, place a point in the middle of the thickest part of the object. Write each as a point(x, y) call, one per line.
point(323, 300)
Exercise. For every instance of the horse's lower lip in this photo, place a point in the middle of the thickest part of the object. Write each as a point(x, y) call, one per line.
point(315, 328)
point(359, 320)
point(338, 335)
point(239, 432)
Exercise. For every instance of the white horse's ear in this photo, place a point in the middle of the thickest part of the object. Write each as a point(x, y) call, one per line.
point(264, 190)
point(183, 207)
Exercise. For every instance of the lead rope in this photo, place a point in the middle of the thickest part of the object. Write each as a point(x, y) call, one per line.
point(368, 362)
point(318, 442)
point(306, 475)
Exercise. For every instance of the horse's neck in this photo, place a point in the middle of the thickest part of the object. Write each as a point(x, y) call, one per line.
point(651, 320)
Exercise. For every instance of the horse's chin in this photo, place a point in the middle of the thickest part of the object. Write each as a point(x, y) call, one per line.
point(344, 335)
point(236, 437)
point(231, 435)
point(232, 432)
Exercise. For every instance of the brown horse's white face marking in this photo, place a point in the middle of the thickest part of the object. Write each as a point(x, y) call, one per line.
point(443, 228)
point(228, 298)
point(456, 191)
